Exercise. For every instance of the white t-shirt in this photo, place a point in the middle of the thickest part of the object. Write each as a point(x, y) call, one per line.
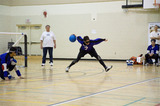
point(155, 34)
point(47, 38)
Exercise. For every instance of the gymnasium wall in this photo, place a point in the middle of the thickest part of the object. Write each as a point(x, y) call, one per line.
point(5, 20)
point(126, 31)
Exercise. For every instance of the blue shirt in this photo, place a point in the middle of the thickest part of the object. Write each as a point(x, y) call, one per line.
point(154, 49)
point(5, 58)
point(89, 47)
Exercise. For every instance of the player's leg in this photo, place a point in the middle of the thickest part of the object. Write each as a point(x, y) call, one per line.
point(155, 56)
point(1, 73)
point(44, 56)
point(51, 56)
point(93, 53)
point(80, 55)
point(10, 67)
point(148, 59)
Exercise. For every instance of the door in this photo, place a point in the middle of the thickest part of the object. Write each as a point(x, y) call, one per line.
point(33, 38)
point(24, 29)
point(35, 35)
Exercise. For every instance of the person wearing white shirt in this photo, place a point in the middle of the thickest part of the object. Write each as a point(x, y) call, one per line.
point(48, 41)
point(155, 35)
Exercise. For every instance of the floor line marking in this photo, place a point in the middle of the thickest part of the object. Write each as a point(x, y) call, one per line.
point(101, 92)
point(134, 101)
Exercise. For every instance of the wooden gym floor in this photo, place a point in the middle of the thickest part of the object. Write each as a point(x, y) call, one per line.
point(87, 84)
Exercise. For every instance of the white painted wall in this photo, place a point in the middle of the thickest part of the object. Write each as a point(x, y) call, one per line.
point(5, 19)
point(127, 32)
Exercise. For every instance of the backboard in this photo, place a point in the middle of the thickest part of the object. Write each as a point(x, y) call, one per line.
point(149, 4)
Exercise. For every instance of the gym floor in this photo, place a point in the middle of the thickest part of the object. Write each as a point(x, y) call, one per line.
point(87, 84)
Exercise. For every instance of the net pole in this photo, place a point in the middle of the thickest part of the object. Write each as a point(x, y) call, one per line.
point(25, 49)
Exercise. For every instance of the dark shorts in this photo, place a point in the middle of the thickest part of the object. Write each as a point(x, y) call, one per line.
point(92, 53)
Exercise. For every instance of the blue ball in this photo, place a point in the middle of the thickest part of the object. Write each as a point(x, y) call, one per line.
point(72, 38)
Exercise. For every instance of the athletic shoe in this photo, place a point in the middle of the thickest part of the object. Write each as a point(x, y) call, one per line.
point(43, 64)
point(157, 64)
point(11, 77)
point(146, 64)
point(51, 64)
point(67, 69)
point(108, 68)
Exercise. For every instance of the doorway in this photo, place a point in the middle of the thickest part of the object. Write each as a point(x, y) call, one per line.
point(33, 32)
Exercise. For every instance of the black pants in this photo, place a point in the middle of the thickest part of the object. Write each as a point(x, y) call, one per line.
point(93, 53)
point(50, 50)
point(9, 67)
point(149, 58)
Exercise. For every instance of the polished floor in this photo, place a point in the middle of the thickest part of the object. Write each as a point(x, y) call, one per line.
point(87, 84)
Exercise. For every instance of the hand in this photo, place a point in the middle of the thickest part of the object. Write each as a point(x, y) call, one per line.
point(151, 54)
point(6, 78)
point(41, 47)
point(75, 35)
point(106, 40)
point(21, 77)
point(54, 46)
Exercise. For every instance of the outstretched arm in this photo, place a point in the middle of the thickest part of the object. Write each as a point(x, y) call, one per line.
point(98, 40)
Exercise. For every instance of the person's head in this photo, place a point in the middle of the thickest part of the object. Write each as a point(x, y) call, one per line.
point(156, 27)
point(12, 51)
point(48, 28)
point(153, 41)
point(86, 40)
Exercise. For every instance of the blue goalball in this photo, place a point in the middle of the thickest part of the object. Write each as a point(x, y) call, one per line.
point(72, 38)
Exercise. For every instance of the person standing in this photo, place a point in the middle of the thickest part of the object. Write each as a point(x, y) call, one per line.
point(48, 41)
point(155, 35)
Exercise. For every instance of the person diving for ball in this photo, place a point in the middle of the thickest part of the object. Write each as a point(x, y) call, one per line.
point(7, 64)
point(87, 48)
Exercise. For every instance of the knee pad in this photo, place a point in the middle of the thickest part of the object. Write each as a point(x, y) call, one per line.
point(18, 73)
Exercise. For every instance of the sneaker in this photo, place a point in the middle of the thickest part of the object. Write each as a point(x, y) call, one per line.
point(157, 64)
point(51, 64)
point(43, 64)
point(11, 77)
point(108, 68)
point(67, 69)
point(146, 64)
